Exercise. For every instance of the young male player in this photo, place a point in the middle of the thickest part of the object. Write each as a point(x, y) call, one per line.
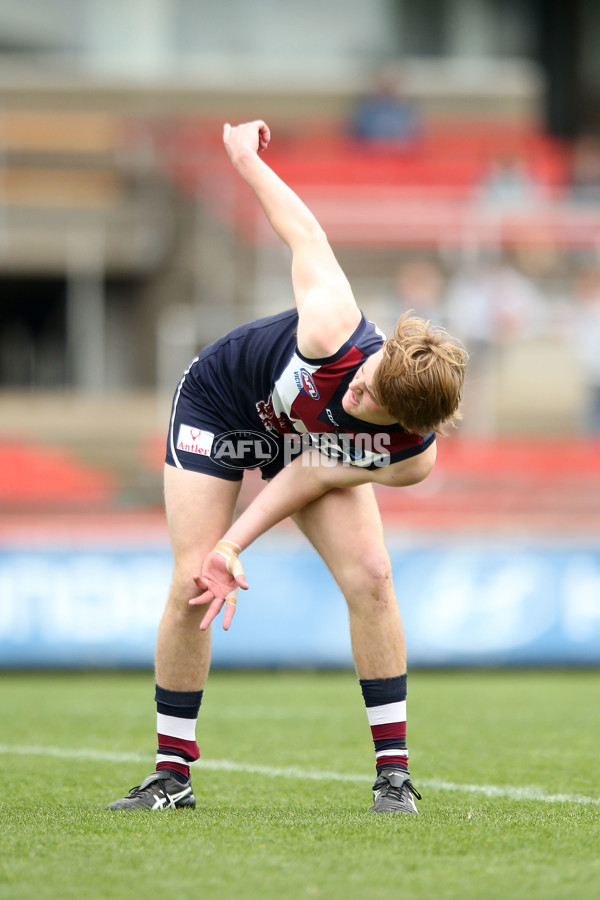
point(321, 382)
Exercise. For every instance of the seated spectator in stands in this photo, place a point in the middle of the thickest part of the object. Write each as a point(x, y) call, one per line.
point(585, 172)
point(386, 115)
point(509, 184)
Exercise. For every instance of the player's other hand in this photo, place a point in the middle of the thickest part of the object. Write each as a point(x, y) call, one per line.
point(222, 575)
point(248, 136)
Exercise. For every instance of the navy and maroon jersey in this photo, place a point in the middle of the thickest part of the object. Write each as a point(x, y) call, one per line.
point(255, 381)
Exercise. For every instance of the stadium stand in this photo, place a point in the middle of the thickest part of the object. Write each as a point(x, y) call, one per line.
point(61, 171)
point(59, 159)
point(41, 477)
point(381, 195)
point(519, 487)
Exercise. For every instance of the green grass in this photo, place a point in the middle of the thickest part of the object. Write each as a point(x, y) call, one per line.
point(259, 836)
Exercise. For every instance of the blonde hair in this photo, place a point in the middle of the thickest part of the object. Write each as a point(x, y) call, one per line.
point(420, 376)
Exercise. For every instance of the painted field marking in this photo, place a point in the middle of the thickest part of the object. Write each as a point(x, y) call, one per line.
point(225, 765)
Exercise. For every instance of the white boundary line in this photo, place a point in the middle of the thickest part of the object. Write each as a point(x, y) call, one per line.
point(225, 765)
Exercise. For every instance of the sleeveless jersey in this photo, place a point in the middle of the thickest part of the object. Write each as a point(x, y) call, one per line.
point(255, 378)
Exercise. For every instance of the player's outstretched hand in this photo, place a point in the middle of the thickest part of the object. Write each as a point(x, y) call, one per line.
point(222, 575)
point(251, 135)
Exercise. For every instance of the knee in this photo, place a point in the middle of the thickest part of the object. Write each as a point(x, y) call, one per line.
point(182, 589)
point(369, 581)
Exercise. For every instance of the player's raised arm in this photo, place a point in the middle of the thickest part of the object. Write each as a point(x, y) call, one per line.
point(328, 313)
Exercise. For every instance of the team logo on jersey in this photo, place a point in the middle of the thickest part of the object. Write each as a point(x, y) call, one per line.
point(305, 384)
point(279, 424)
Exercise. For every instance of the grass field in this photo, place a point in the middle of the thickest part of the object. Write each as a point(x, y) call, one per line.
point(507, 763)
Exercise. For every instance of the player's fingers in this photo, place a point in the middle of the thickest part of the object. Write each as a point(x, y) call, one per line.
point(213, 611)
point(264, 136)
point(230, 605)
point(235, 568)
point(205, 597)
point(241, 581)
point(201, 582)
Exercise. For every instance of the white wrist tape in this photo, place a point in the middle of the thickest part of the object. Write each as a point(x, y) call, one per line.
point(229, 550)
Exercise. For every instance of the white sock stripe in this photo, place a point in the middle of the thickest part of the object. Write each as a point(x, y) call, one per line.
point(164, 757)
point(389, 712)
point(400, 751)
point(185, 729)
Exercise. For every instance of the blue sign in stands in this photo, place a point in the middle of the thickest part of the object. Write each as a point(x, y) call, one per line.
point(463, 604)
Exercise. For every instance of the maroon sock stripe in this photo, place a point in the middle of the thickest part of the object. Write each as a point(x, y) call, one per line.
point(389, 731)
point(173, 766)
point(176, 746)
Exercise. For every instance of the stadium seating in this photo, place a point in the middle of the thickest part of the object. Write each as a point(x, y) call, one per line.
point(518, 486)
point(378, 194)
point(61, 159)
point(37, 476)
point(63, 171)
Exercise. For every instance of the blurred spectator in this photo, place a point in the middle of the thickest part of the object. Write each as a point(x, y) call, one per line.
point(509, 184)
point(586, 334)
point(492, 304)
point(419, 285)
point(585, 172)
point(386, 114)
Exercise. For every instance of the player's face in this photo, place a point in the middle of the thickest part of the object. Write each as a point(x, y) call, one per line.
point(359, 400)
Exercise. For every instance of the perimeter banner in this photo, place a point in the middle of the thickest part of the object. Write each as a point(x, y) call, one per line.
point(463, 604)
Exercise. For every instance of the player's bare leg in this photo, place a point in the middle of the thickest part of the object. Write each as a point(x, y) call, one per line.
point(345, 527)
point(199, 510)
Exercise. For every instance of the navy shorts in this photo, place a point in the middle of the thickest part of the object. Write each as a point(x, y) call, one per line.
point(201, 439)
